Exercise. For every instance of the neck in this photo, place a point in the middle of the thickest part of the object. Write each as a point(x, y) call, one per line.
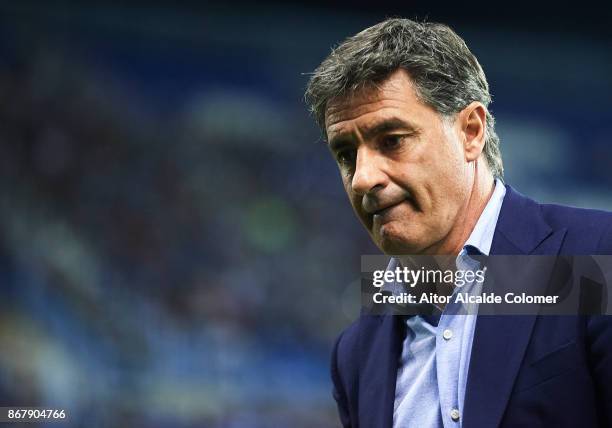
point(481, 188)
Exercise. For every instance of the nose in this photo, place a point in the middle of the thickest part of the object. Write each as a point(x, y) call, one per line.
point(368, 173)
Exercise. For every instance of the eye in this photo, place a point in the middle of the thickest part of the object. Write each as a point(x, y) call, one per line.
point(390, 142)
point(345, 157)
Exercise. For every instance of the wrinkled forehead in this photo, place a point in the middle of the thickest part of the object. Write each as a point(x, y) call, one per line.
point(352, 102)
point(394, 91)
point(395, 97)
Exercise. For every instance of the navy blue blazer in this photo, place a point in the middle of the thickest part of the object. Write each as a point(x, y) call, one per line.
point(525, 371)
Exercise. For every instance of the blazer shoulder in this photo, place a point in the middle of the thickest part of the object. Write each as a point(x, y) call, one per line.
point(588, 229)
point(527, 223)
point(345, 373)
point(347, 344)
point(346, 353)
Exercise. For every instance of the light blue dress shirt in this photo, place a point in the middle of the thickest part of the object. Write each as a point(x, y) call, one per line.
point(433, 367)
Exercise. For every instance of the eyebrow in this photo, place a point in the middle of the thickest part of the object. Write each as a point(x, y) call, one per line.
point(392, 124)
point(388, 125)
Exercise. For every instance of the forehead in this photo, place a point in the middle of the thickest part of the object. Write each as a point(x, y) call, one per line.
point(395, 96)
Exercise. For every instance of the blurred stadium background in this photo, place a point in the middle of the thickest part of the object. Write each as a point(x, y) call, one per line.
point(175, 246)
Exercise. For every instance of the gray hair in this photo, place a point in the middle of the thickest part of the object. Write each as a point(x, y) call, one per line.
point(446, 75)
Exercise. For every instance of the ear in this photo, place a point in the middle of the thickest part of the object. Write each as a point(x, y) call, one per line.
point(472, 122)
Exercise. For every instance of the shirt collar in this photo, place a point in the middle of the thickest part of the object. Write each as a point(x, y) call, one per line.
point(481, 237)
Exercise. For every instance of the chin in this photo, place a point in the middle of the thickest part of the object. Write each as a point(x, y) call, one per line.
point(392, 242)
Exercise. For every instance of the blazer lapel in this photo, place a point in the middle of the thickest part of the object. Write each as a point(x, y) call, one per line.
point(500, 341)
point(380, 344)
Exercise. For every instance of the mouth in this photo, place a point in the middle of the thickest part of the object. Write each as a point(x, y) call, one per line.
point(383, 211)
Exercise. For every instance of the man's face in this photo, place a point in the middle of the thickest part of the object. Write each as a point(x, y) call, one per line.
point(403, 166)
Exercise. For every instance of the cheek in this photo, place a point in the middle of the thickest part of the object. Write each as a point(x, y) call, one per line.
point(439, 188)
point(354, 198)
point(348, 189)
point(347, 180)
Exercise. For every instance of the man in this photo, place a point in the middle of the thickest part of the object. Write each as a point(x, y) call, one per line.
point(404, 108)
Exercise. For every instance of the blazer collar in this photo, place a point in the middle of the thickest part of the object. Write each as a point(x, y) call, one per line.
point(520, 227)
point(500, 341)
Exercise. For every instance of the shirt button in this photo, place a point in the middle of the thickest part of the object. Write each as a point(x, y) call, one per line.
point(447, 334)
point(455, 415)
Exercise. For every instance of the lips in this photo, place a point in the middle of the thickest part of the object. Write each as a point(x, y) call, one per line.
point(386, 209)
point(409, 205)
point(375, 205)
